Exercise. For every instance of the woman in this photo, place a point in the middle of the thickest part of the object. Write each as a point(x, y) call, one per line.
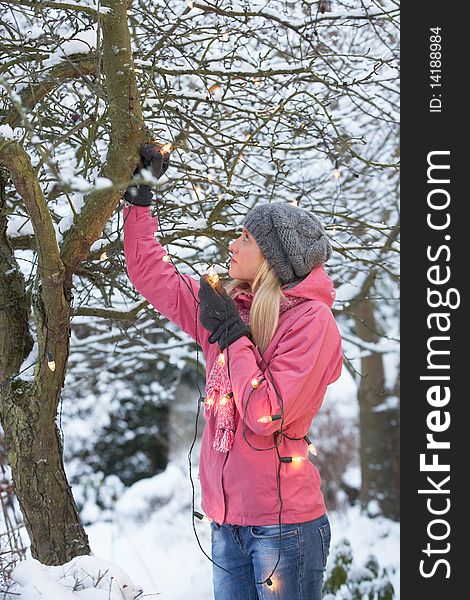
point(272, 347)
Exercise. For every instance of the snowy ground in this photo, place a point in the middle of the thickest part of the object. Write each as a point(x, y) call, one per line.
point(162, 554)
point(149, 535)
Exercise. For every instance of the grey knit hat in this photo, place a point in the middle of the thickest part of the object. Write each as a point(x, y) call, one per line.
point(291, 238)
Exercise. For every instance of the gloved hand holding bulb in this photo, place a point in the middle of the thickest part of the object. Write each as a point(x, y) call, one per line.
point(218, 312)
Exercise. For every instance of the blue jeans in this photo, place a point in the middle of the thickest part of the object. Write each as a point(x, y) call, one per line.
point(251, 552)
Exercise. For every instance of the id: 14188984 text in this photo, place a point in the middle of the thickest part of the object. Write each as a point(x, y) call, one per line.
point(435, 69)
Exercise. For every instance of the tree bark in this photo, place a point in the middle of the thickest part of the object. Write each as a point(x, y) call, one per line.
point(379, 429)
point(27, 412)
point(28, 409)
point(35, 456)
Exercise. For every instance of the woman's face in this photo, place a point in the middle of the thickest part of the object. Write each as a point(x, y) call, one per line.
point(246, 258)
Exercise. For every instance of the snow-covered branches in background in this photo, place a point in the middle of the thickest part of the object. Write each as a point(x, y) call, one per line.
point(285, 101)
point(293, 101)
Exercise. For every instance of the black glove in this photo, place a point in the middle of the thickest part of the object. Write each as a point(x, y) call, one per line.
point(139, 195)
point(219, 314)
point(150, 158)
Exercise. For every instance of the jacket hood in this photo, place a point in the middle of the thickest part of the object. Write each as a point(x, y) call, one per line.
point(317, 285)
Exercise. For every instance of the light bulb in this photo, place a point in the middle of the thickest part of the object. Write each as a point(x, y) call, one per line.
point(166, 258)
point(221, 360)
point(293, 459)
point(50, 361)
point(269, 418)
point(312, 449)
point(198, 191)
point(165, 148)
point(272, 584)
point(254, 383)
point(209, 401)
point(202, 517)
point(213, 277)
point(104, 256)
point(223, 400)
point(337, 174)
point(214, 89)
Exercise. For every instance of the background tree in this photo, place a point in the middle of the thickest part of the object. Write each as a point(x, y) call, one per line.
point(261, 102)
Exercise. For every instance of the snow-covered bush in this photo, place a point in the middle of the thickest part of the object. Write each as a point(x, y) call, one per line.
point(83, 578)
point(345, 581)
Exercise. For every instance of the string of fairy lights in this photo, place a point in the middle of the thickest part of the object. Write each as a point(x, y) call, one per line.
point(208, 401)
point(213, 279)
point(255, 383)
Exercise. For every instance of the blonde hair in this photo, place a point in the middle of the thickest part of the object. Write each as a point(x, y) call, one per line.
point(264, 312)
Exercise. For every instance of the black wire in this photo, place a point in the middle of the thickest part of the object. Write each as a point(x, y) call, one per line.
point(244, 437)
point(276, 434)
point(279, 433)
point(197, 417)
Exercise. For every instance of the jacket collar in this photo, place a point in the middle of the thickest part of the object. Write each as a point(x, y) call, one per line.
point(317, 285)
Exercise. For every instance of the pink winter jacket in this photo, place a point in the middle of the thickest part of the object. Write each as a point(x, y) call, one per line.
point(304, 357)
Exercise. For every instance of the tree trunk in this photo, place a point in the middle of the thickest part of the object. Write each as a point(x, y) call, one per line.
point(379, 429)
point(28, 410)
point(45, 498)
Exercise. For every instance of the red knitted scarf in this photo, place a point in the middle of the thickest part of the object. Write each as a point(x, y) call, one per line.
point(219, 398)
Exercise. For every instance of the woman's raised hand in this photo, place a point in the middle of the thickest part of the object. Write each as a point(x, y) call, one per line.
point(154, 158)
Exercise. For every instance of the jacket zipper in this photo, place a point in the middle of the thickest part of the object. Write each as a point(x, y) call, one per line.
point(223, 491)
